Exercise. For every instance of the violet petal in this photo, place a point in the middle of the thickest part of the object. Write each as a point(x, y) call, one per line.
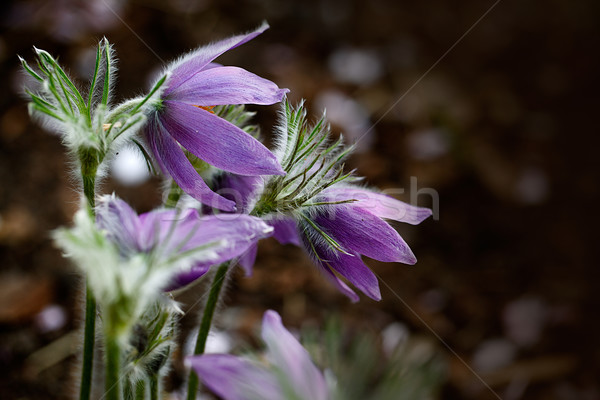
point(233, 378)
point(227, 85)
point(172, 159)
point(379, 204)
point(285, 231)
point(248, 259)
point(217, 141)
point(190, 64)
point(364, 233)
point(292, 359)
point(119, 221)
point(357, 273)
point(237, 232)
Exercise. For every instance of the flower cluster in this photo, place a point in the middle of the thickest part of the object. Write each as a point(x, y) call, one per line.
point(225, 191)
point(322, 209)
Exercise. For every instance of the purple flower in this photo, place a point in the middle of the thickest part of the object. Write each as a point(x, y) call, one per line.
point(337, 235)
point(290, 374)
point(183, 119)
point(350, 222)
point(183, 241)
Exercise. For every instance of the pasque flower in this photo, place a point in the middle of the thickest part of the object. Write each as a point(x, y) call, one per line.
point(290, 373)
point(182, 117)
point(349, 221)
point(318, 207)
point(354, 224)
point(181, 241)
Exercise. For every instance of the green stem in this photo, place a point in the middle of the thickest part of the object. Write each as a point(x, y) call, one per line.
point(154, 387)
point(140, 390)
point(174, 195)
point(112, 366)
point(209, 310)
point(88, 346)
point(89, 168)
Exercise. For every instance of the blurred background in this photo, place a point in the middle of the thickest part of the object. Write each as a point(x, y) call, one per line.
point(488, 120)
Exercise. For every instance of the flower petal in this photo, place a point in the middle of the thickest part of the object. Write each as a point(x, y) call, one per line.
point(172, 159)
point(235, 233)
point(239, 188)
point(285, 231)
point(186, 67)
point(379, 204)
point(186, 277)
point(248, 259)
point(217, 141)
point(158, 226)
point(233, 378)
point(338, 283)
point(120, 222)
point(227, 85)
point(321, 261)
point(362, 232)
point(292, 359)
point(352, 268)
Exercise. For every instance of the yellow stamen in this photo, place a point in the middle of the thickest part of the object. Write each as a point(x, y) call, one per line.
point(207, 108)
point(106, 127)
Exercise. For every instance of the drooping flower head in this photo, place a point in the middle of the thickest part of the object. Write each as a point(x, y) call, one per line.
point(290, 373)
point(354, 224)
point(182, 119)
point(322, 209)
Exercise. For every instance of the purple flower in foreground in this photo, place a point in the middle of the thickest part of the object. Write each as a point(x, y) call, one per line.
point(183, 119)
point(180, 240)
point(290, 374)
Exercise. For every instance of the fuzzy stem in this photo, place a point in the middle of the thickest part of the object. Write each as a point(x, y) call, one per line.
point(140, 390)
point(209, 310)
point(89, 168)
point(89, 160)
point(154, 387)
point(112, 367)
point(88, 346)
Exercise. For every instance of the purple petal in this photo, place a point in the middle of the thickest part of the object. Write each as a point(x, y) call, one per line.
point(172, 159)
point(184, 278)
point(211, 65)
point(239, 188)
point(248, 258)
point(337, 282)
point(285, 231)
point(157, 225)
point(379, 204)
point(233, 378)
point(227, 85)
point(292, 359)
point(217, 141)
point(120, 222)
point(195, 61)
point(321, 260)
point(362, 232)
point(352, 268)
point(237, 232)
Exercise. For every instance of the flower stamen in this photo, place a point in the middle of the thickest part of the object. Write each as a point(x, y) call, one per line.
point(207, 108)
